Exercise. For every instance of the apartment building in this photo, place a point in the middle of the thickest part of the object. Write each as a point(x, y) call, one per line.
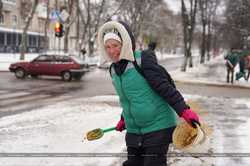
point(12, 22)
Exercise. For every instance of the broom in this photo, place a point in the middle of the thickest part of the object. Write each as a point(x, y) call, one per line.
point(97, 133)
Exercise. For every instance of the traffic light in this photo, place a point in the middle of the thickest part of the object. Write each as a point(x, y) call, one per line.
point(58, 29)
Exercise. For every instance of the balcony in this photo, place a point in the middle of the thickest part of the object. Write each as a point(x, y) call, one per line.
point(11, 2)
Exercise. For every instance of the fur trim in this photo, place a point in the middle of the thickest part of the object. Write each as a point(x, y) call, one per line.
point(126, 50)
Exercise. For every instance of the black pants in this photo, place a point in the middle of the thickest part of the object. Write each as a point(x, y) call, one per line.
point(242, 65)
point(148, 149)
point(148, 156)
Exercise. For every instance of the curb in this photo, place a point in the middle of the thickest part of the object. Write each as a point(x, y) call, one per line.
point(213, 84)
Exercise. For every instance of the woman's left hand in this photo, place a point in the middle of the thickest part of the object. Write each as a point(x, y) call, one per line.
point(191, 117)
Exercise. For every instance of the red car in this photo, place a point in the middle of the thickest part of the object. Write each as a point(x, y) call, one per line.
point(67, 67)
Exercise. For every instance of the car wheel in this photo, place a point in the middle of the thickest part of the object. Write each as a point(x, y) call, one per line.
point(78, 78)
point(66, 76)
point(20, 73)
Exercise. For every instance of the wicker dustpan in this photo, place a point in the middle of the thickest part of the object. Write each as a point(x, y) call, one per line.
point(189, 139)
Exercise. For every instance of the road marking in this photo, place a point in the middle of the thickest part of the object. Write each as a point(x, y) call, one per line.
point(27, 106)
point(15, 94)
point(22, 99)
point(3, 91)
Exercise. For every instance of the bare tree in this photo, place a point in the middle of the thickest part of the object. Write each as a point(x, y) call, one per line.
point(77, 25)
point(1, 8)
point(92, 29)
point(69, 7)
point(188, 21)
point(237, 25)
point(23, 46)
point(203, 4)
point(160, 25)
point(133, 12)
point(213, 6)
point(95, 14)
point(46, 26)
point(91, 16)
point(85, 20)
point(90, 19)
point(137, 12)
point(207, 13)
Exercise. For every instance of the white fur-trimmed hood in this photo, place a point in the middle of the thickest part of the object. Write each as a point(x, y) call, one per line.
point(126, 50)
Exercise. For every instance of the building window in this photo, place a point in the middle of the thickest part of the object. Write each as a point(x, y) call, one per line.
point(9, 38)
point(14, 19)
point(1, 19)
point(32, 41)
point(19, 40)
point(2, 38)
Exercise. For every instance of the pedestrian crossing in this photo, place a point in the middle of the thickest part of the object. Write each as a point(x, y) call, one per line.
point(13, 102)
point(2, 91)
point(6, 95)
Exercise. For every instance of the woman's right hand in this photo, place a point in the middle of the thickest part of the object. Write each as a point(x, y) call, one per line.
point(121, 125)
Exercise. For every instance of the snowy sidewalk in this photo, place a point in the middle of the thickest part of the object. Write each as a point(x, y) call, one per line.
point(212, 73)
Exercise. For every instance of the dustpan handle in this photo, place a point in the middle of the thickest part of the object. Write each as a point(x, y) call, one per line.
point(108, 129)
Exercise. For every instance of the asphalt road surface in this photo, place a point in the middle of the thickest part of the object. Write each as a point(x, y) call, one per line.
point(26, 94)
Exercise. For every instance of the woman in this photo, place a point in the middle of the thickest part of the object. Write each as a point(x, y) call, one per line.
point(150, 102)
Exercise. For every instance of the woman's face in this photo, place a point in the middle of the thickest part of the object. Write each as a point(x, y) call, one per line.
point(113, 49)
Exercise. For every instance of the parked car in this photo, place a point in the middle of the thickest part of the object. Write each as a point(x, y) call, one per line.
point(68, 67)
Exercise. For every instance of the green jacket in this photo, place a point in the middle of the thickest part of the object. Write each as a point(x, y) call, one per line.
point(233, 58)
point(244, 53)
point(144, 111)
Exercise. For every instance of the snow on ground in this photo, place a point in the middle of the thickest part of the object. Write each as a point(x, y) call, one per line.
point(60, 129)
point(229, 120)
